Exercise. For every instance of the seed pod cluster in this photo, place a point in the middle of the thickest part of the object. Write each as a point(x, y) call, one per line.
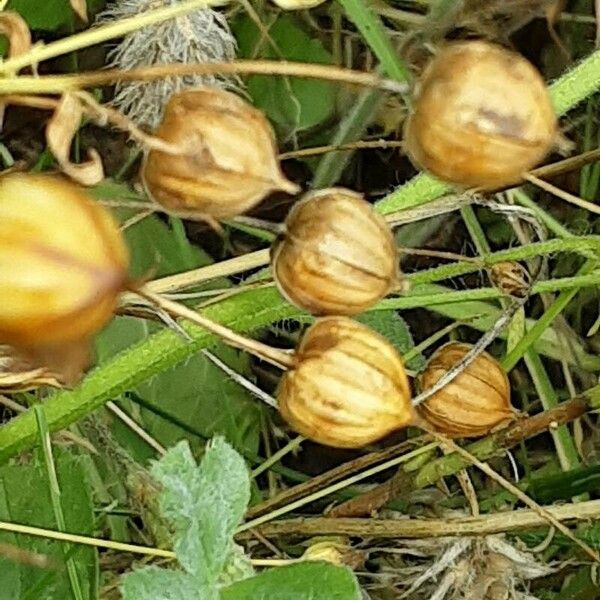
point(63, 263)
point(224, 160)
point(336, 255)
point(482, 116)
point(348, 388)
point(473, 403)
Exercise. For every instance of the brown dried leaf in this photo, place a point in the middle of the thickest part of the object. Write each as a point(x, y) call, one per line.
point(60, 131)
point(80, 9)
point(14, 27)
point(19, 375)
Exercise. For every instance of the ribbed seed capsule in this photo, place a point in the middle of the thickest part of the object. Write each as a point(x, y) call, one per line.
point(474, 402)
point(348, 388)
point(63, 263)
point(482, 116)
point(226, 161)
point(336, 256)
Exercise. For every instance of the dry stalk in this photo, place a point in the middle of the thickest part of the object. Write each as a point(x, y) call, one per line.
point(277, 357)
point(482, 525)
point(513, 489)
point(403, 482)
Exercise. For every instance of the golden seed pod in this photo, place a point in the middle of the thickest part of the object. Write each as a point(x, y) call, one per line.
point(482, 116)
point(474, 402)
point(337, 256)
point(63, 263)
point(227, 161)
point(348, 387)
point(297, 4)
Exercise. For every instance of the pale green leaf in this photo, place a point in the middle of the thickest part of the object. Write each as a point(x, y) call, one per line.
point(205, 504)
point(152, 583)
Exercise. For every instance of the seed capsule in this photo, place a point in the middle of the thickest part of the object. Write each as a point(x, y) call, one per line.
point(348, 387)
point(336, 255)
point(63, 263)
point(482, 116)
point(473, 403)
point(226, 160)
point(511, 278)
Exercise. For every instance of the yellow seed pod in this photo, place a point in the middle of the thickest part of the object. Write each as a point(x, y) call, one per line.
point(348, 388)
point(226, 161)
point(474, 402)
point(63, 262)
point(337, 256)
point(297, 4)
point(482, 116)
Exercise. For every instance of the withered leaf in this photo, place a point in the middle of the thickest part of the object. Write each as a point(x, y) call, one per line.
point(60, 131)
point(14, 27)
point(80, 9)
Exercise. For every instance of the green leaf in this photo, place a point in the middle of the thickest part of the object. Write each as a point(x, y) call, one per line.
point(196, 392)
point(25, 499)
point(161, 584)
point(304, 581)
point(293, 104)
point(49, 15)
point(392, 326)
point(205, 504)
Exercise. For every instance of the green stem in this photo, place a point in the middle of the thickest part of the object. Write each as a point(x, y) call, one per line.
point(370, 26)
point(244, 312)
point(513, 357)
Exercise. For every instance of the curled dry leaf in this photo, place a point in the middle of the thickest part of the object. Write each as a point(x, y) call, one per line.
point(80, 9)
point(297, 4)
point(60, 131)
point(19, 375)
point(14, 27)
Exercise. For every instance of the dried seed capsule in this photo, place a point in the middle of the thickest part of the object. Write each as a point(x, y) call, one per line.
point(348, 387)
point(473, 403)
point(511, 278)
point(482, 116)
point(336, 255)
point(226, 161)
point(63, 263)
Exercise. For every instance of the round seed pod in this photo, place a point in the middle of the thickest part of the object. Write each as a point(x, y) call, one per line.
point(482, 116)
point(511, 278)
point(226, 161)
point(63, 263)
point(348, 388)
point(474, 402)
point(336, 256)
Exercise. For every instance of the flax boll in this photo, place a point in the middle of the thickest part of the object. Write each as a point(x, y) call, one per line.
point(482, 116)
point(226, 160)
point(474, 402)
point(348, 388)
point(63, 264)
point(336, 255)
